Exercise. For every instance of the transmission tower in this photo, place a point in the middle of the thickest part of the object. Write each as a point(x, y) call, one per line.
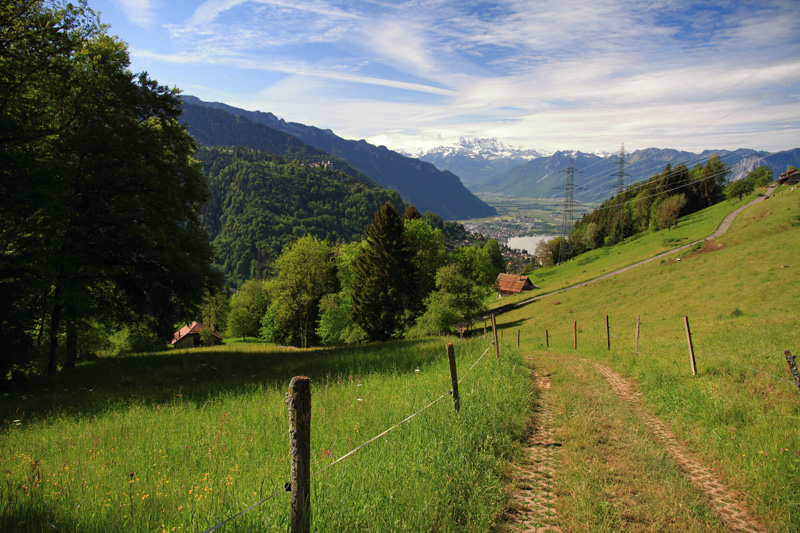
point(565, 250)
point(621, 172)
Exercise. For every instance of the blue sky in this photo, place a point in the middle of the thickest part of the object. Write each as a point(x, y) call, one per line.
point(562, 74)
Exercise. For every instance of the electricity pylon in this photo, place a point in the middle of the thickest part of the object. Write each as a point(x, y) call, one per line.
point(621, 172)
point(567, 217)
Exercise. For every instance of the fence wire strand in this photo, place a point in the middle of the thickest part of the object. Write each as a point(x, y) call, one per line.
point(354, 450)
point(706, 352)
point(240, 513)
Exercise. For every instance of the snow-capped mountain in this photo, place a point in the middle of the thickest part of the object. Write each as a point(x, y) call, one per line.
point(475, 159)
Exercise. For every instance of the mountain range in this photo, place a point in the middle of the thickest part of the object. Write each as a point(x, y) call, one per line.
point(490, 166)
point(419, 183)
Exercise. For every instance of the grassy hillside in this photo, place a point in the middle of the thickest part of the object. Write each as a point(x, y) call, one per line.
point(739, 414)
point(603, 260)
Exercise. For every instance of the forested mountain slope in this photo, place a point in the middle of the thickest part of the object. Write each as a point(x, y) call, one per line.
point(216, 127)
point(260, 202)
point(418, 182)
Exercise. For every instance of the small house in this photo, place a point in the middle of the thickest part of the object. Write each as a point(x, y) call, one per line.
point(512, 284)
point(789, 177)
point(189, 336)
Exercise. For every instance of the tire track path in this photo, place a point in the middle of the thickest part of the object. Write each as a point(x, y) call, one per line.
point(722, 499)
point(534, 495)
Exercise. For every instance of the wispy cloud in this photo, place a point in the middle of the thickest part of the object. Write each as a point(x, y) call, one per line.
point(139, 12)
point(554, 72)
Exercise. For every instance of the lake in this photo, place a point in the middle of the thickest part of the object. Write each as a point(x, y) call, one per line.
point(528, 243)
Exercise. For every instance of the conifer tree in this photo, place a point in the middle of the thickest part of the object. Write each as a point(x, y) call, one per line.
point(381, 275)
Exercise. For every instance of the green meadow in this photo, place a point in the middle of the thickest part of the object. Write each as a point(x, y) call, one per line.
point(740, 414)
point(180, 441)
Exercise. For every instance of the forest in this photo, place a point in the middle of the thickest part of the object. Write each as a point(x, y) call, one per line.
point(260, 202)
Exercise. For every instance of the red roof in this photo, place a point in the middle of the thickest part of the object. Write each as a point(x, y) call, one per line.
point(191, 329)
point(512, 283)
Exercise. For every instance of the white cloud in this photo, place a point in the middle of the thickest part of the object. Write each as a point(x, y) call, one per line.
point(546, 74)
point(138, 12)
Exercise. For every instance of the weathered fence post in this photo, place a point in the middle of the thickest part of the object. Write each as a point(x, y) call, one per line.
point(547, 338)
point(451, 356)
point(691, 348)
point(299, 401)
point(792, 367)
point(575, 334)
point(608, 335)
point(636, 347)
point(494, 334)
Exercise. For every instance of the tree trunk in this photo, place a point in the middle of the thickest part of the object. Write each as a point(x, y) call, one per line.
point(55, 324)
point(71, 344)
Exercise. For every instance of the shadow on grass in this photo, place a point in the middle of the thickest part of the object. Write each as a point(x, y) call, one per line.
point(199, 375)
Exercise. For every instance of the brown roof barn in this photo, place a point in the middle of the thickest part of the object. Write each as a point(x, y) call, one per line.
point(189, 336)
point(512, 284)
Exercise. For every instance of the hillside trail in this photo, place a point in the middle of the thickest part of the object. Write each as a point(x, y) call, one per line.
point(535, 476)
point(723, 227)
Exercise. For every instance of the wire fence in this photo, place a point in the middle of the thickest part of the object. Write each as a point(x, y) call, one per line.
point(602, 337)
point(286, 487)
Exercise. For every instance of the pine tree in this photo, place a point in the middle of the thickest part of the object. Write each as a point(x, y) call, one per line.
point(381, 277)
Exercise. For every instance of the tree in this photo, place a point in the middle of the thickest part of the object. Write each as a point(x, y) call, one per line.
point(427, 253)
point(412, 213)
point(115, 196)
point(381, 275)
point(669, 211)
point(306, 272)
point(457, 298)
point(498, 262)
point(761, 176)
point(739, 189)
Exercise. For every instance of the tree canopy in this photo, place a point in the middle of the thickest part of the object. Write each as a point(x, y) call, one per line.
point(101, 196)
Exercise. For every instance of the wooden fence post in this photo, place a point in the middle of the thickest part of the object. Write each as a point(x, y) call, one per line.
point(792, 367)
point(608, 335)
point(575, 334)
point(547, 338)
point(299, 401)
point(494, 333)
point(451, 356)
point(517, 339)
point(638, 320)
point(691, 348)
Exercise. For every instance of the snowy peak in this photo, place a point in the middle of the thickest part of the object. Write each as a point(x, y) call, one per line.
point(488, 149)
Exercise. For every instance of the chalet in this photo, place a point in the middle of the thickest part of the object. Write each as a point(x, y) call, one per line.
point(789, 177)
point(512, 284)
point(189, 336)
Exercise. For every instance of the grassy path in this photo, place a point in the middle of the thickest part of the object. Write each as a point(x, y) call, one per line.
point(597, 460)
point(727, 503)
point(534, 500)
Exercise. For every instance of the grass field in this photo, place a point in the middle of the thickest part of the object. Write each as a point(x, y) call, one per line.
point(740, 414)
point(183, 440)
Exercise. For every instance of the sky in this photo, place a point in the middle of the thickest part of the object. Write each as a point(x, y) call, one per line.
point(583, 75)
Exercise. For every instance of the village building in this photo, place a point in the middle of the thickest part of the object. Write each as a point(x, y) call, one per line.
point(512, 284)
point(189, 336)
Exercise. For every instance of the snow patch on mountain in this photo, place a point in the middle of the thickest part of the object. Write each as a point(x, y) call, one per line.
point(488, 149)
